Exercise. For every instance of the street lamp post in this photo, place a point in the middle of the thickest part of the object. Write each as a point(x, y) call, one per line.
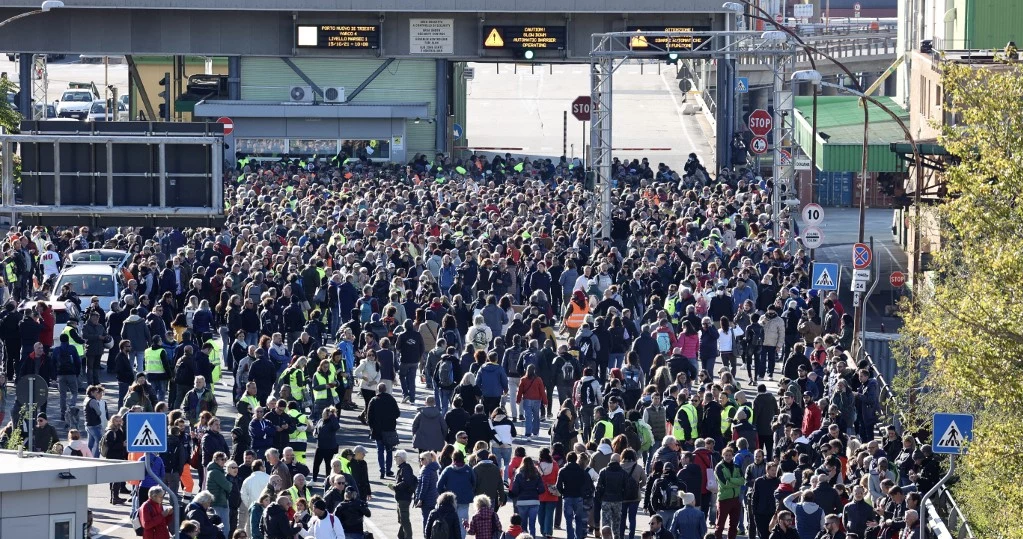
point(25, 105)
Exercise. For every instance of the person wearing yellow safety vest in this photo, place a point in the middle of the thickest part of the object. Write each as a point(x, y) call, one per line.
point(299, 489)
point(728, 409)
point(158, 367)
point(297, 438)
point(324, 388)
point(687, 421)
point(294, 378)
point(602, 427)
point(214, 355)
point(75, 339)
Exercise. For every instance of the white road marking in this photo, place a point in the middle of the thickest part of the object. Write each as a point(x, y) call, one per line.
point(377, 532)
point(678, 109)
point(117, 526)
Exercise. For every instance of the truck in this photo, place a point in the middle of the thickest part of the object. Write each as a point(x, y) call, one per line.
point(76, 101)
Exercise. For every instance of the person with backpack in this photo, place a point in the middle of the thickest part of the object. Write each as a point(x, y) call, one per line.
point(493, 383)
point(753, 341)
point(588, 396)
point(730, 482)
point(443, 522)
point(566, 372)
point(614, 486)
point(69, 367)
point(634, 380)
point(445, 378)
point(589, 348)
point(532, 395)
point(480, 334)
point(631, 499)
point(510, 362)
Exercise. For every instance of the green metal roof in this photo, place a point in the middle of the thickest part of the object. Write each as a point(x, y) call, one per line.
point(840, 118)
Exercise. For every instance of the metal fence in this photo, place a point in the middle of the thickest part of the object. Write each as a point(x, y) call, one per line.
point(952, 523)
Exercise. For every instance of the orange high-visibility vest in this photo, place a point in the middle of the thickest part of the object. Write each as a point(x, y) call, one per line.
point(578, 315)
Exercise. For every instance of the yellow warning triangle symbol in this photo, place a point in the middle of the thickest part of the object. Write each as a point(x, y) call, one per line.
point(494, 39)
point(639, 42)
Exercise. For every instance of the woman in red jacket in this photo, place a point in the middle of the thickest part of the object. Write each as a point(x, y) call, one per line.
point(550, 496)
point(154, 516)
point(531, 395)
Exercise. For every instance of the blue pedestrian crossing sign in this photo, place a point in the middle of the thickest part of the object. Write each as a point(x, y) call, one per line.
point(824, 276)
point(951, 433)
point(742, 85)
point(146, 432)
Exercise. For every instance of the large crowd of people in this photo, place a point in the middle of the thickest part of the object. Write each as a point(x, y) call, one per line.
point(475, 288)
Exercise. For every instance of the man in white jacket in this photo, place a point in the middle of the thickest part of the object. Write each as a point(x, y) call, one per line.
point(251, 488)
point(323, 525)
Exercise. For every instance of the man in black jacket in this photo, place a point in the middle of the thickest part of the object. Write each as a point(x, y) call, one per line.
point(613, 485)
point(410, 348)
point(382, 417)
point(124, 370)
point(764, 505)
point(43, 435)
point(275, 523)
point(263, 372)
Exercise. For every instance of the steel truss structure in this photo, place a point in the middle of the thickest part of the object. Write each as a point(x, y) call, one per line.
point(611, 50)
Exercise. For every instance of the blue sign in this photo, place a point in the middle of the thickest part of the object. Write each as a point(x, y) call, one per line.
point(951, 433)
point(742, 85)
point(456, 130)
point(824, 276)
point(146, 432)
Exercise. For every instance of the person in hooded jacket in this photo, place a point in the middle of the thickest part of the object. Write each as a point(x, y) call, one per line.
point(774, 339)
point(446, 511)
point(426, 491)
point(429, 430)
point(460, 480)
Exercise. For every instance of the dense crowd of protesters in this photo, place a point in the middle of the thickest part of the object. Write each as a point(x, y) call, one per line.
point(333, 287)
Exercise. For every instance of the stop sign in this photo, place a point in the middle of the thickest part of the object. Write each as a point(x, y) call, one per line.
point(581, 108)
point(228, 124)
point(760, 122)
point(897, 279)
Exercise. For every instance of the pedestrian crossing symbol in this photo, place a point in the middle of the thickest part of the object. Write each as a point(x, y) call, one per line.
point(952, 432)
point(741, 85)
point(824, 276)
point(146, 432)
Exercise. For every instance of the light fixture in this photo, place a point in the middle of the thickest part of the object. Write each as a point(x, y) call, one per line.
point(417, 120)
point(528, 54)
point(734, 7)
point(66, 475)
point(51, 4)
point(807, 75)
point(774, 36)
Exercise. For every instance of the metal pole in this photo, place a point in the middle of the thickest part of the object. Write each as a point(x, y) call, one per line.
point(564, 133)
point(776, 171)
point(31, 406)
point(863, 302)
point(173, 495)
point(926, 497)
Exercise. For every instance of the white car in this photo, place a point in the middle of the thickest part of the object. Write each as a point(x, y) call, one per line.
point(75, 104)
point(101, 280)
point(110, 257)
point(98, 112)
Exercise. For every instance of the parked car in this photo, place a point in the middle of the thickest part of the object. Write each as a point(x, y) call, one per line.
point(98, 112)
point(75, 104)
point(109, 257)
point(104, 281)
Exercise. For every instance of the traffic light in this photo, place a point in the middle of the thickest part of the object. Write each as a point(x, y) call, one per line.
point(165, 94)
point(526, 54)
point(671, 58)
point(590, 183)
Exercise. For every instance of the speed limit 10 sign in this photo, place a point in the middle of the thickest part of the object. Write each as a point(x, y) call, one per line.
point(813, 214)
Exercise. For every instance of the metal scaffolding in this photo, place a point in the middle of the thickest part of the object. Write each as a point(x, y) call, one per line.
point(611, 50)
point(39, 90)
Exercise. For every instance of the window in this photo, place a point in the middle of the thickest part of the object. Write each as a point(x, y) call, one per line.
point(89, 284)
point(261, 146)
point(309, 147)
point(62, 526)
point(372, 149)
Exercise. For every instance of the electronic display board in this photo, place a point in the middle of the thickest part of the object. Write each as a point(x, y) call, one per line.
point(524, 37)
point(679, 43)
point(338, 36)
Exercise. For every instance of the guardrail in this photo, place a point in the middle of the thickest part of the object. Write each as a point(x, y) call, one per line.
point(845, 48)
point(944, 503)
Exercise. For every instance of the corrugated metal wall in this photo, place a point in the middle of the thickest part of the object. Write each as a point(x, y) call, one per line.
point(404, 81)
point(991, 24)
point(848, 157)
point(833, 189)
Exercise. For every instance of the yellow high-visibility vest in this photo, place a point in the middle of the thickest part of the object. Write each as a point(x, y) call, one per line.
point(154, 361)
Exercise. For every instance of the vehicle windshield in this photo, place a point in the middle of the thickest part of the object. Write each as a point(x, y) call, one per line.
point(88, 285)
point(77, 96)
point(99, 107)
point(97, 256)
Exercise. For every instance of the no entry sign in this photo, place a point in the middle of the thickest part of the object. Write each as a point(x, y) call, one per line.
point(228, 124)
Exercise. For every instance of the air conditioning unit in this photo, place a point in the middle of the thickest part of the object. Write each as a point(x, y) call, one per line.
point(301, 94)
point(334, 94)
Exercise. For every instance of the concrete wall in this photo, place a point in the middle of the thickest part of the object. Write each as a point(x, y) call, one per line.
point(27, 513)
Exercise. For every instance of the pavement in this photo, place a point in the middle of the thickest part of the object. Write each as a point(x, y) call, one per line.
point(70, 69)
point(529, 102)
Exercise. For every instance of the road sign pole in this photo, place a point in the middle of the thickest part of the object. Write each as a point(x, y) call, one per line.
point(934, 490)
point(564, 133)
point(31, 410)
point(863, 303)
point(175, 509)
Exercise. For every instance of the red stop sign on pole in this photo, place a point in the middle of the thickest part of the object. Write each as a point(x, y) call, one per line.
point(760, 123)
point(897, 279)
point(228, 124)
point(581, 108)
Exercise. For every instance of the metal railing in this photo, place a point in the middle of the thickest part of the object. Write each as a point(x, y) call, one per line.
point(848, 47)
point(944, 503)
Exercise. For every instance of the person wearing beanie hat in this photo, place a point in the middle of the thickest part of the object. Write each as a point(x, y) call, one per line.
point(43, 434)
point(324, 525)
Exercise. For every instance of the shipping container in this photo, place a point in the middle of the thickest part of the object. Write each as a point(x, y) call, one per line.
point(834, 189)
point(876, 198)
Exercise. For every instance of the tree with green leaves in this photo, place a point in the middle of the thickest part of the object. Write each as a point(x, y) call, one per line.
point(965, 328)
point(10, 119)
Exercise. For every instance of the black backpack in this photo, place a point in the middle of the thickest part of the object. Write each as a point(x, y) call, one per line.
point(567, 372)
point(65, 363)
point(439, 529)
point(587, 353)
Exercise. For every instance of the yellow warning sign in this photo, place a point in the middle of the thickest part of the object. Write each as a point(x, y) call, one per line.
point(639, 42)
point(494, 39)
